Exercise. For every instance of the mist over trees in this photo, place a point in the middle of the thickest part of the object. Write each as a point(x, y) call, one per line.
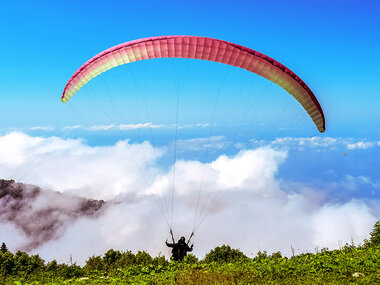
point(42, 215)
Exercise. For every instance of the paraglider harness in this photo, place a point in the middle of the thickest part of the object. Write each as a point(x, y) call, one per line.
point(180, 249)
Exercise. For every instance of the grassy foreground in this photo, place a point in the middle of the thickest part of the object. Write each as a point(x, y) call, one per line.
point(222, 265)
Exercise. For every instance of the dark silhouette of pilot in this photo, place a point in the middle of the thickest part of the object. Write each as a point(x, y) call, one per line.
point(180, 249)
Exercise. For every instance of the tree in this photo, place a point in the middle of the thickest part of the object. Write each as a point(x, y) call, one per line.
point(225, 254)
point(127, 259)
point(3, 248)
point(70, 271)
point(27, 264)
point(190, 258)
point(52, 265)
point(375, 234)
point(7, 263)
point(144, 258)
point(94, 263)
point(111, 256)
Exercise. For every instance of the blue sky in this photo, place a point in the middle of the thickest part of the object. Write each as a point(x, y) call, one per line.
point(332, 45)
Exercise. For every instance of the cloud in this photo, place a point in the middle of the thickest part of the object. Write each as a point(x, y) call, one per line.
point(101, 127)
point(204, 125)
point(41, 215)
point(301, 143)
point(254, 169)
point(71, 166)
point(42, 128)
point(242, 198)
point(355, 183)
point(124, 127)
point(138, 126)
point(360, 145)
point(332, 224)
point(72, 127)
point(319, 142)
point(211, 143)
point(309, 143)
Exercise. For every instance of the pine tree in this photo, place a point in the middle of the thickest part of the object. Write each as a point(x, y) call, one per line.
point(375, 234)
point(3, 248)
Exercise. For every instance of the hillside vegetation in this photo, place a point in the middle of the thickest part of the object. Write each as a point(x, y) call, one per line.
point(222, 265)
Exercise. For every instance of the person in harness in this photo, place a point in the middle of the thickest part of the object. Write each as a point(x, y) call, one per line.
point(180, 249)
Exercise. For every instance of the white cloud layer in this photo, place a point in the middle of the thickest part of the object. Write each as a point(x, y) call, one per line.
point(310, 142)
point(42, 128)
point(302, 143)
point(254, 212)
point(360, 145)
point(354, 183)
point(210, 143)
point(124, 127)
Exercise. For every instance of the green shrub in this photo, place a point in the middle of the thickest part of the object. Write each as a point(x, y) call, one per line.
point(94, 263)
point(225, 254)
point(144, 258)
point(27, 264)
point(160, 260)
point(191, 259)
point(7, 264)
point(127, 259)
point(276, 255)
point(261, 255)
point(70, 271)
point(51, 266)
point(111, 256)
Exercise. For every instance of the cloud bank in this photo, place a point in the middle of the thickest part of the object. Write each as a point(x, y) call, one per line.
point(320, 143)
point(40, 215)
point(242, 198)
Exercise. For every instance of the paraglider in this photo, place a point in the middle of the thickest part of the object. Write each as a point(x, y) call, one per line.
point(204, 49)
point(180, 248)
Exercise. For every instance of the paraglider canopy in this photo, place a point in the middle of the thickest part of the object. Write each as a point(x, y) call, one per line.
point(199, 48)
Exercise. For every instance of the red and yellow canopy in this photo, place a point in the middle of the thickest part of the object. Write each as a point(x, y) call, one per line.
point(204, 49)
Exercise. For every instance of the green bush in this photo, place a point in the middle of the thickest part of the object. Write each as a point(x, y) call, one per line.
point(111, 256)
point(143, 258)
point(52, 266)
point(225, 254)
point(70, 271)
point(261, 256)
point(276, 255)
point(94, 263)
point(7, 263)
point(127, 259)
point(160, 260)
point(27, 264)
point(190, 259)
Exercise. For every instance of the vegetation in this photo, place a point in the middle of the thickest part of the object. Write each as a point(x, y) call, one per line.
point(222, 265)
point(375, 234)
point(3, 248)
